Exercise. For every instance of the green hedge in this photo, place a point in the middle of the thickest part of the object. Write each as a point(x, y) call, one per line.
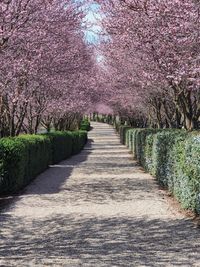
point(38, 149)
point(13, 160)
point(85, 125)
point(173, 157)
point(123, 134)
point(23, 158)
point(79, 138)
point(61, 145)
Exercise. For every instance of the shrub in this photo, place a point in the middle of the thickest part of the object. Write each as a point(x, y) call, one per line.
point(143, 145)
point(85, 125)
point(149, 156)
point(82, 138)
point(79, 138)
point(61, 145)
point(122, 133)
point(38, 149)
point(134, 134)
point(129, 138)
point(13, 160)
point(163, 156)
point(173, 157)
point(185, 184)
point(23, 158)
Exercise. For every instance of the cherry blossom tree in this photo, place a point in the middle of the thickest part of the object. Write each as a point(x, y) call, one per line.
point(46, 66)
point(153, 58)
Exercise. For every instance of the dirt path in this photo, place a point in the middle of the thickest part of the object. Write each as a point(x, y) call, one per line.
point(96, 209)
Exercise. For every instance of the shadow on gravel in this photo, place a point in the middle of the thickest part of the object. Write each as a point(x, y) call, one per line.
point(6, 201)
point(115, 241)
point(103, 191)
point(51, 180)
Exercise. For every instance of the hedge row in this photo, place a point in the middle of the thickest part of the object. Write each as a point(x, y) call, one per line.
point(23, 158)
point(122, 132)
point(85, 125)
point(173, 157)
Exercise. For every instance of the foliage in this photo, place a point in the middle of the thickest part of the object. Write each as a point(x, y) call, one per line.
point(85, 125)
point(130, 137)
point(79, 138)
point(61, 145)
point(122, 133)
point(151, 61)
point(23, 158)
point(173, 157)
point(13, 161)
point(47, 68)
point(38, 157)
point(186, 172)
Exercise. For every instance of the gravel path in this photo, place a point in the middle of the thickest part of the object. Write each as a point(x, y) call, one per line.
point(96, 209)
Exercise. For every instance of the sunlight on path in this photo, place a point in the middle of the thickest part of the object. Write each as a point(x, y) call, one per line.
point(96, 209)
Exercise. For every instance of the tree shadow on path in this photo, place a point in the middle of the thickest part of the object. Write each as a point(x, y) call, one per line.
point(51, 180)
point(73, 240)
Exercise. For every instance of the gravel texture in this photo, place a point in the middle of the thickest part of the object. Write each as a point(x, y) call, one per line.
point(97, 209)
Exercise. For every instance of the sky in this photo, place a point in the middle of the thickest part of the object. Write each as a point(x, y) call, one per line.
point(92, 19)
point(94, 29)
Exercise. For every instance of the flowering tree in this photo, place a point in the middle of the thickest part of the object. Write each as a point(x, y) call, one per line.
point(45, 65)
point(153, 58)
point(148, 73)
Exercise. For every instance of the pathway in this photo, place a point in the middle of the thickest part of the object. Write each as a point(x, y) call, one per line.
point(97, 209)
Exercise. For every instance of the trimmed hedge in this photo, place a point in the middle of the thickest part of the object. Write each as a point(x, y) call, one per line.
point(79, 138)
point(85, 125)
point(123, 133)
point(38, 155)
point(61, 145)
point(13, 160)
point(173, 157)
point(23, 158)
